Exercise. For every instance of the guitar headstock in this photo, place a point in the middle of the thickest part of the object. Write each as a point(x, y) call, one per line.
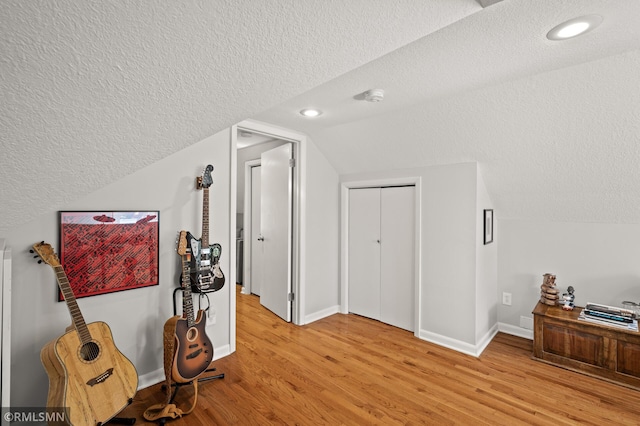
point(46, 253)
point(182, 243)
point(206, 177)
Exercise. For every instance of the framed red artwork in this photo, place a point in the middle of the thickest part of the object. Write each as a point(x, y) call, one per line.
point(105, 252)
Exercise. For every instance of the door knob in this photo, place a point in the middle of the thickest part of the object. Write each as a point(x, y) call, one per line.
point(260, 238)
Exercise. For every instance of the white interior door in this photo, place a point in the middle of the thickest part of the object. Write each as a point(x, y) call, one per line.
point(364, 252)
point(256, 243)
point(397, 236)
point(275, 229)
point(381, 254)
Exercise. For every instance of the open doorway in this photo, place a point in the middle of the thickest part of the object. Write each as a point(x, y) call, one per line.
point(267, 259)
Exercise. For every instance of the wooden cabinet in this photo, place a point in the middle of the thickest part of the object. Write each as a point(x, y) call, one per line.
point(610, 353)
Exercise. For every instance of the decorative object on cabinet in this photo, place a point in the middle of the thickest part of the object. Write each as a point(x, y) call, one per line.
point(609, 315)
point(568, 299)
point(548, 291)
point(105, 252)
point(488, 226)
point(632, 306)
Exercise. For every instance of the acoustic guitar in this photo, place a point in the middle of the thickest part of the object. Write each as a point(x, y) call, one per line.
point(193, 350)
point(206, 274)
point(88, 375)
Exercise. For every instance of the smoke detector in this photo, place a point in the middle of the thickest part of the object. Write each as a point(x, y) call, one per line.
point(374, 95)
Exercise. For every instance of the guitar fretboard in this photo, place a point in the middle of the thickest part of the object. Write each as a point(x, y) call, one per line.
point(72, 305)
point(205, 218)
point(187, 300)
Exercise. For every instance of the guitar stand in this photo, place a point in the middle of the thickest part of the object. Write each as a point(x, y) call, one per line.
point(121, 421)
point(163, 420)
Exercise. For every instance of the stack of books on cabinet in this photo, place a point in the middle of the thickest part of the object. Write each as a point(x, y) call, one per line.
point(609, 315)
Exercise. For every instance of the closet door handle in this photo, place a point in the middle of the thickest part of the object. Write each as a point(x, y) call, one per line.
point(378, 241)
point(260, 238)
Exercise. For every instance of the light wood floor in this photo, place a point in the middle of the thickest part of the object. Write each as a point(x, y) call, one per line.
point(349, 370)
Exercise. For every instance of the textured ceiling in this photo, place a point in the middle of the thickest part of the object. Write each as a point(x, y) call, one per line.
point(554, 126)
point(93, 91)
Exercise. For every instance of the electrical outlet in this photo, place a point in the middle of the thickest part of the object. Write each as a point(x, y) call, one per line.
point(506, 299)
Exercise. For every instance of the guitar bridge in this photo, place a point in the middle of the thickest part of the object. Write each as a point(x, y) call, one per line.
point(100, 378)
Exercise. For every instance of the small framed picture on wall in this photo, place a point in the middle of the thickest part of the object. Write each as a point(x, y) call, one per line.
point(488, 226)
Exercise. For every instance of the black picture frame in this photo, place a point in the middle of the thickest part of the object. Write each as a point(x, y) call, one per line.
point(488, 226)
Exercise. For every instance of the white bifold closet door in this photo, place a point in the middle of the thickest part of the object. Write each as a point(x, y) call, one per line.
point(381, 254)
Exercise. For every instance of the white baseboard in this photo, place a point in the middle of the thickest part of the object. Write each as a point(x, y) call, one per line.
point(515, 331)
point(321, 314)
point(476, 350)
point(486, 339)
point(457, 345)
point(157, 376)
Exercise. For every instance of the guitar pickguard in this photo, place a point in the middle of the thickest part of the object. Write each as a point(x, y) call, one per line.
point(194, 245)
point(206, 275)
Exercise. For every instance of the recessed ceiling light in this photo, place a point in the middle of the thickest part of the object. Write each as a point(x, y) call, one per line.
point(310, 112)
point(574, 27)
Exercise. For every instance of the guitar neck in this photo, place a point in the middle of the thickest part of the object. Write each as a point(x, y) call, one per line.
point(72, 305)
point(205, 218)
point(187, 300)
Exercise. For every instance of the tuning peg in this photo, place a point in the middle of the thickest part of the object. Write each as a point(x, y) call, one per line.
point(39, 261)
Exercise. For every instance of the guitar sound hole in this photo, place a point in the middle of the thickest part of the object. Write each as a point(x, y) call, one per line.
point(192, 333)
point(89, 351)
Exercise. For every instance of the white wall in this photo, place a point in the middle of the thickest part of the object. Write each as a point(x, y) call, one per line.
point(322, 235)
point(136, 317)
point(449, 256)
point(487, 271)
point(449, 208)
point(601, 261)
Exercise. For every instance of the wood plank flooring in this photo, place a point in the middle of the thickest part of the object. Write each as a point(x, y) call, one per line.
point(350, 370)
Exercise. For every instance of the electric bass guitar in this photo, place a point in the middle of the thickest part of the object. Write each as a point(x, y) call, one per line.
point(88, 375)
point(192, 351)
point(206, 274)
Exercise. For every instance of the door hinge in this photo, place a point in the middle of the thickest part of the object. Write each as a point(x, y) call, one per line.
point(292, 162)
point(290, 297)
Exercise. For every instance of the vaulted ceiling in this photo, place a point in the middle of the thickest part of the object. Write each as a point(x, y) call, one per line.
point(93, 91)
